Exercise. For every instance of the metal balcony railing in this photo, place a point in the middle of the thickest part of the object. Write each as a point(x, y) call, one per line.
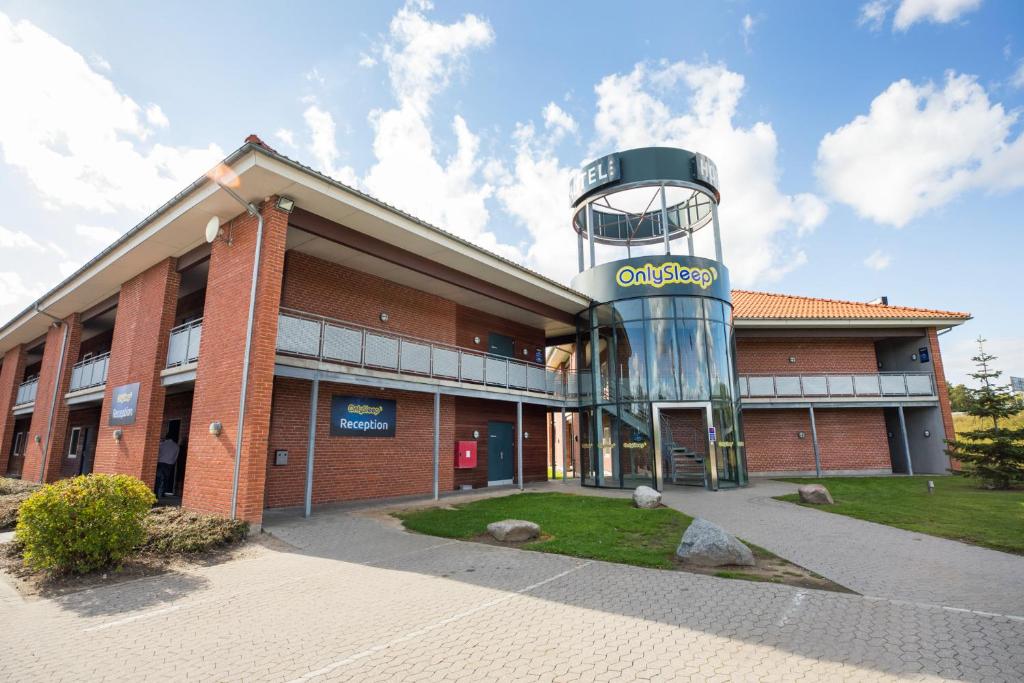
point(874, 385)
point(309, 336)
point(26, 392)
point(183, 347)
point(91, 372)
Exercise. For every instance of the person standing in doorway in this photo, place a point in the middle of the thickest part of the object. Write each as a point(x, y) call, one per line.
point(166, 458)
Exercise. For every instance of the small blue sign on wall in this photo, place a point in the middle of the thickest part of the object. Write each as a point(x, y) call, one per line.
point(359, 416)
point(124, 404)
point(712, 434)
point(922, 354)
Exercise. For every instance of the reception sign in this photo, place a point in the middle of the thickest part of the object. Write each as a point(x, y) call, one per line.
point(359, 416)
point(124, 402)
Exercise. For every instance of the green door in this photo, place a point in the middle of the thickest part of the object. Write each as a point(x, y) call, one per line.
point(500, 453)
point(500, 345)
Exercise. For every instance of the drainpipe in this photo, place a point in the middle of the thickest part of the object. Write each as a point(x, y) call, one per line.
point(252, 211)
point(56, 390)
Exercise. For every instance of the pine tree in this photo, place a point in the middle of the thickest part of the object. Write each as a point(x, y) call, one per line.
point(994, 454)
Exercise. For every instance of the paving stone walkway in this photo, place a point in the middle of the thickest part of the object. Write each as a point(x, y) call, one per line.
point(356, 598)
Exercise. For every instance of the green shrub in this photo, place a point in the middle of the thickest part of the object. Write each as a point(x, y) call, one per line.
point(85, 523)
point(171, 530)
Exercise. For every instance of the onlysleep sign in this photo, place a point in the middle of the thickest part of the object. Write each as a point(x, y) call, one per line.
point(359, 416)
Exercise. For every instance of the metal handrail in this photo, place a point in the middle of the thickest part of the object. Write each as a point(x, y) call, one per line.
point(312, 336)
point(836, 385)
point(26, 392)
point(91, 372)
point(183, 344)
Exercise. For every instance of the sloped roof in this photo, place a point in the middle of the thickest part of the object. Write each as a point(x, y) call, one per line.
point(770, 306)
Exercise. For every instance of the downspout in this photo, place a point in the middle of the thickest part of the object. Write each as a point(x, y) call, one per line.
point(252, 211)
point(56, 390)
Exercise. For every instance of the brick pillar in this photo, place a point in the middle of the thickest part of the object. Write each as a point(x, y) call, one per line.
point(138, 352)
point(943, 390)
point(211, 459)
point(11, 374)
point(54, 379)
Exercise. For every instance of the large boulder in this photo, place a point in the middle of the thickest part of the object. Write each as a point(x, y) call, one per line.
point(709, 545)
point(646, 497)
point(815, 494)
point(513, 530)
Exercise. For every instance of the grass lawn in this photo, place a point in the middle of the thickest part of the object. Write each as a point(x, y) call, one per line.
point(958, 509)
point(582, 526)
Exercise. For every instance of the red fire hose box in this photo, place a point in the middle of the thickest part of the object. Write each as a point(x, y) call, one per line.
point(465, 455)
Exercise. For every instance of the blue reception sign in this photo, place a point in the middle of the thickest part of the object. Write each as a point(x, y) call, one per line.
point(124, 402)
point(358, 416)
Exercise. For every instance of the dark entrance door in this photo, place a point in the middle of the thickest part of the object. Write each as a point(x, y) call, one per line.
point(500, 345)
point(500, 453)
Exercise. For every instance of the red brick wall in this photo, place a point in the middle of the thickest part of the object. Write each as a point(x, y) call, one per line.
point(138, 352)
point(82, 417)
point(11, 373)
point(312, 285)
point(942, 388)
point(210, 472)
point(54, 378)
point(471, 323)
point(474, 414)
point(771, 355)
point(848, 439)
point(354, 468)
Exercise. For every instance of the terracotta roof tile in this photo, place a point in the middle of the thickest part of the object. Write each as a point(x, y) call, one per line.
point(767, 305)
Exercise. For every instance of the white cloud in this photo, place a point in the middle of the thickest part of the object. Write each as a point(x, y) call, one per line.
point(15, 293)
point(558, 121)
point(156, 117)
point(636, 110)
point(878, 260)
point(367, 61)
point(919, 147)
point(286, 136)
point(873, 13)
point(99, 62)
point(747, 24)
point(936, 11)
point(76, 137)
point(314, 76)
point(1017, 79)
point(98, 233)
point(322, 129)
point(16, 239)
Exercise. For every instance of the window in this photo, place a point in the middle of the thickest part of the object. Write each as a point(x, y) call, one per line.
point(73, 442)
point(19, 444)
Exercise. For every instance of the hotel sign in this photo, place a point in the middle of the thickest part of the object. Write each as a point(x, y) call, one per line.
point(359, 416)
point(124, 403)
point(595, 174)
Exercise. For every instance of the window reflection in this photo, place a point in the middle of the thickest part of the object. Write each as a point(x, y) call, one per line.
point(662, 364)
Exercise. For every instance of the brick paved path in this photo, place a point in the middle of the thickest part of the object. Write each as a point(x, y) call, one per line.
point(362, 600)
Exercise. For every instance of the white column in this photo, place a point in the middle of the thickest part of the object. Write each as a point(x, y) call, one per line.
point(314, 397)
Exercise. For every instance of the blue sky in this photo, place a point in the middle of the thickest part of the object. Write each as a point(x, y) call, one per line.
point(865, 148)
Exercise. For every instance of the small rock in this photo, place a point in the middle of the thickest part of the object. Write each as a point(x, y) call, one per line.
point(709, 545)
point(513, 530)
point(815, 494)
point(646, 497)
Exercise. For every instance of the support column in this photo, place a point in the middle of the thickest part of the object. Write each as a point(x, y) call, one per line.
point(437, 443)
point(590, 234)
point(716, 231)
point(814, 441)
point(906, 441)
point(11, 374)
point(210, 478)
point(664, 221)
point(519, 443)
point(138, 353)
point(689, 241)
point(579, 250)
point(48, 433)
point(565, 457)
point(314, 398)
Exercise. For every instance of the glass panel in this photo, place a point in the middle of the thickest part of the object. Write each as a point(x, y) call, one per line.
point(602, 315)
point(814, 385)
point(606, 381)
point(630, 309)
point(660, 307)
point(73, 445)
point(586, 435)
point(713, 309)
point(608, 465)
point(727, 456)
point(636, 445)
point(693, 373)
point(684, 445)
point(662, 360)
point(719, 361)
point(689, 307)
point(631, 360)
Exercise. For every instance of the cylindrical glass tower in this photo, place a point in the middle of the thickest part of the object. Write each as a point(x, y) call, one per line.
point(659, 397)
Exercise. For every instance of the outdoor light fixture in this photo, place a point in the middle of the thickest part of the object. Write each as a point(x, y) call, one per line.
point(931, 486)
point(286, 204)
point(913, 356)
point(476, 340)
point(476, 434)
point(215, 428)
point(526, 435)
point(802, 435)
point(383, 317)
point(927, 432)
point(38, 439)
point(792, 359)
point(118, 434)
point(526, 352)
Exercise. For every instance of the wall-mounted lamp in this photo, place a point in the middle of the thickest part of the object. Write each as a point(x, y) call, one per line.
point(927, 432)
point(526, 435)
point(38, 439)
point(526, 352)
point(383, 317)
point(216, 428)
point(792, 359)
point(118, 434)
point(286, 204)
point(801, 435)
point(476, 434)
point(913, 356)
point(476, 340)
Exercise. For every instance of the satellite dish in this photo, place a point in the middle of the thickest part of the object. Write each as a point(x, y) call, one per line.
point(212, 229)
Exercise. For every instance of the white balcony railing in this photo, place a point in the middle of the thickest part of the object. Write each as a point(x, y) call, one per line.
point(91, 372)
point(873, 385)
point(26, 392)
point(183, 347)
point(309, 336)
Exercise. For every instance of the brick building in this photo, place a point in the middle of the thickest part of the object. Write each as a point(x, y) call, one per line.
point(305, 343)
